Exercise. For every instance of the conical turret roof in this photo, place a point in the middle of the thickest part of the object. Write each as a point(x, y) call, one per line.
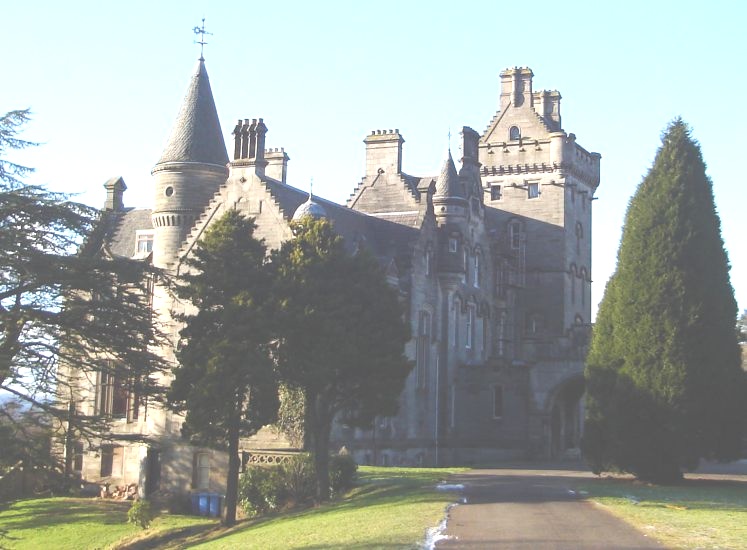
point(448, 184)
point(197, 136)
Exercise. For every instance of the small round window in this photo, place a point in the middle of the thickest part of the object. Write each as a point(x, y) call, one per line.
point(169, 191)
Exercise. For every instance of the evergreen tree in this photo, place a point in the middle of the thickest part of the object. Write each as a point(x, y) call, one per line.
point(67, 311)
point(664, 383)
point(225, 379)
point(342, 335)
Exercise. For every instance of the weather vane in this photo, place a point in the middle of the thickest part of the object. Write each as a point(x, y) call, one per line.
point(202, 32)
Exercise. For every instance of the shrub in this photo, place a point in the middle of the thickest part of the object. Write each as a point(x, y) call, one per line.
point(140, 513)
point(299, 477)
point(342, 473)
point(261, 490)
point(268, 488)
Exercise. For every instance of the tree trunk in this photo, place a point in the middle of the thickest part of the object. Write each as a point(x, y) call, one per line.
point(70, 439)
point(320, 435)
point(232, 482)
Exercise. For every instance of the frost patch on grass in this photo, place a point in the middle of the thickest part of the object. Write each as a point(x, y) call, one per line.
point(450, 487)
point(436, 534)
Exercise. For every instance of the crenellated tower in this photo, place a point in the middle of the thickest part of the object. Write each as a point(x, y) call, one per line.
point(190, 170)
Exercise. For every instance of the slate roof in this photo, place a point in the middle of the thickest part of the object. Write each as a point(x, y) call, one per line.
point(448, 184)
point(197, 136)
point(122, 227)
point(386, 239)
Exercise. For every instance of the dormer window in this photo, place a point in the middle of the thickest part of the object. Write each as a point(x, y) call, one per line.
point(143, 242)
point(514, 133)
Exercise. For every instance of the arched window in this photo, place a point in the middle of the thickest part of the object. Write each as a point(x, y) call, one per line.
point(514, 133)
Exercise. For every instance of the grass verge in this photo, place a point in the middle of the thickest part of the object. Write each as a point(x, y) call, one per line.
point(79, 523)
point(390, 508)
point(699, 513)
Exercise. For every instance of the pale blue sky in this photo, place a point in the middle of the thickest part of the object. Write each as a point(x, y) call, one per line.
point(105, 81)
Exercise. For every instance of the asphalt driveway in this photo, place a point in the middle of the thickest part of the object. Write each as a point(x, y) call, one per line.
point(523, 509)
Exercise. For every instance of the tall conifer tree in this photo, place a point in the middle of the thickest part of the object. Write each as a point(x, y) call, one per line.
point(664, 383)
point(225, 380)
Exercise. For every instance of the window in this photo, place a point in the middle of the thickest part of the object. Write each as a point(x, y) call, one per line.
point(470, 332)
point(533, 190)
point(515, 235)
point(423, 347)
point(501, 334)
point(143, 242)
point(115, 396)
point(514, 133)
point(579, 236)
point(452, 244)
point(111, 460)
point(497, 401)
point(495, 193)
point(78, 457)
point(428, 261)
point(201, 471)
point(476, 270)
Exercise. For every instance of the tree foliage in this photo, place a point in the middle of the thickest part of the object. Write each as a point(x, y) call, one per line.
point(664, 383)
point(225, 381)
point(341, 335)
point(67, 309)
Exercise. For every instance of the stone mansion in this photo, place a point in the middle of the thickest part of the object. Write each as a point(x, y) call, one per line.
point(492, 257)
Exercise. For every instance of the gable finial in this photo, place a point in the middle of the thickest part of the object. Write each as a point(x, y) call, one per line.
point(311, 189)
point(202, 32)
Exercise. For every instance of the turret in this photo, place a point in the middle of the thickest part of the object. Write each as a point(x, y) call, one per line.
point(190, 170)
point(450, 197)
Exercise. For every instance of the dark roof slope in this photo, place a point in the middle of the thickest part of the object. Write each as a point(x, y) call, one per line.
point(197, 136)
point(386, 239)
point(122, 228)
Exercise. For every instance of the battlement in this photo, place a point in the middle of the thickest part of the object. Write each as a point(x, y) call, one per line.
point(392, 133)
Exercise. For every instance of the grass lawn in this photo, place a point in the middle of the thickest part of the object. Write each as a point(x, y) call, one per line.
point(699, 513)
point(390, 508)
point(78, 523)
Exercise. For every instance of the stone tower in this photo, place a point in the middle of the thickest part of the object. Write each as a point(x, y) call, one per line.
point(190, 170)
point(536, 172)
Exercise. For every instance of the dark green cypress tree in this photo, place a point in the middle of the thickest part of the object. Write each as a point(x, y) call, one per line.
point(664, 382)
